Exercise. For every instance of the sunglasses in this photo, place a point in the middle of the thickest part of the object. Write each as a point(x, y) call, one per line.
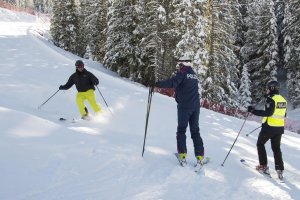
point(80, 66)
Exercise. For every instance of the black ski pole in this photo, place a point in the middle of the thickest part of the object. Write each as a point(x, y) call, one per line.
point(252, 131)
point(235, 140)
point(103, 99)
point(151, 89)
point(48, 99)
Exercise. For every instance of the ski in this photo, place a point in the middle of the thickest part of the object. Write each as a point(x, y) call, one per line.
point(251, 165)
point(62, 119)
point(197, 167)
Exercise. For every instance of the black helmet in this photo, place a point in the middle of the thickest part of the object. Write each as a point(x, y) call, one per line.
point(79, 63)
point(273, 86)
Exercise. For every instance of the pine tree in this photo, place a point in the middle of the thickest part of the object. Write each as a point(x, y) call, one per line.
point(244, 90)
point(151, 20)
point(65, 25)
point(170, 36)
point(219, 85)
point(94, 24)
point(292, 50)
point(260, 51)
point(240, 38)
point(120, 44)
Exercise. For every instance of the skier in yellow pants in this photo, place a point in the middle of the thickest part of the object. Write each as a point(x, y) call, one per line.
point(90, 96)
point(84, 82)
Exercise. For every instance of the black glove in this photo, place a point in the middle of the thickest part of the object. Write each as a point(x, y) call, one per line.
point(95, 81)
point(61, 87)
point(157, 84)
point(250, 109)
point(181, 65)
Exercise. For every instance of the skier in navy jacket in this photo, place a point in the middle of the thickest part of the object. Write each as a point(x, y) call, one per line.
point(188, 107)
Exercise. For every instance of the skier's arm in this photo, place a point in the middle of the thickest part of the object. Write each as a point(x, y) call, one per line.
point(269, 109)
point(172, 82)
point(94, 79)
point(68, 85)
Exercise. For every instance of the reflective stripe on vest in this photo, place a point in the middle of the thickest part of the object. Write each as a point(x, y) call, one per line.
point(277, 119)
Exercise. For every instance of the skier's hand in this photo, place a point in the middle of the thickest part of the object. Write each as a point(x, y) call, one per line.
point(95, 82)
point(61, 87)
point(250, 109)
point(157, 84)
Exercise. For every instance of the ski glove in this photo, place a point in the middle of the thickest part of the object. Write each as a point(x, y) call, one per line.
point(250, 109)
point(61, 87)
point(95, 81)
point(157, 84)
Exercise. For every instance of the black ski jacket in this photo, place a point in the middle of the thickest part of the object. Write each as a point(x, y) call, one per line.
point(83, 81)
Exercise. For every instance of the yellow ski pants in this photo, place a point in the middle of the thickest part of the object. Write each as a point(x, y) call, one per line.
point(91, 97)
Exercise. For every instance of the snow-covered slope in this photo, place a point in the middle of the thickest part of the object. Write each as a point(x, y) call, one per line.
point(43, 158)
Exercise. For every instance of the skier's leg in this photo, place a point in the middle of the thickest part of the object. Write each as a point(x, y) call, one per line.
point(91, 97)
point(80, 97)
point(275, 144)
point(183, 118)
point(262, 154)
point(195, 133)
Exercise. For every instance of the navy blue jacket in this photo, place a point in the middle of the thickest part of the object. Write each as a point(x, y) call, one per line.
point(186, 88)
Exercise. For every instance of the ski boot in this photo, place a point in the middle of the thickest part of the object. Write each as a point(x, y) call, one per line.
point(86, 117)
point(199, 160)
point(182, 159)
point(263, 169)
point(280, 174)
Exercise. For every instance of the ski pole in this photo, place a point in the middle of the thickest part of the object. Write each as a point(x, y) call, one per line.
point(235, 140)
point(104, 99)
point(151, 89)
point(48, 99)
point(252, 131)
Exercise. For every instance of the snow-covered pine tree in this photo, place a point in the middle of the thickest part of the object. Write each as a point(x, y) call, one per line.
point(260, 51)
point(120, 46)
point(65, 25)
point(220, 81)
point(292, 50)
point(170, 35)
point(244, 90)
point(25, 3)
point(279, 6)
point(94, 26)
point(240, 38)
point(191, 24)
point(152, 17)
point(83, 12)
point(43, 6)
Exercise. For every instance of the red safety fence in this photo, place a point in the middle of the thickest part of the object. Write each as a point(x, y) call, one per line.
point(15, 8)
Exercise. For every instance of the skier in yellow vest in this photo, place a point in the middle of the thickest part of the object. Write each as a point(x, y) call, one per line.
point(272, 128)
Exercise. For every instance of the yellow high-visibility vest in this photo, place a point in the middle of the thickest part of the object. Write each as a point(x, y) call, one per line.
point(277, 119)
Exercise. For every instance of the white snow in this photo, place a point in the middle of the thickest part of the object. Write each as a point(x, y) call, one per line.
point(43, 158)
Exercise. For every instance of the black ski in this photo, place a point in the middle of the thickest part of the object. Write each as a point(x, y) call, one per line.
point(251, 165)
point(62, 119)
